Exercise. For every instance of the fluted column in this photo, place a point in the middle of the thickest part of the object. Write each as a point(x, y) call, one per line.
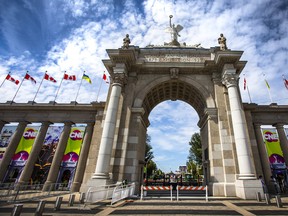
point(106, 144)
point(2, 123)
point(283, 140)
point(230, 80)
point(11, 148)
point(55, 166)
point(81, 164)
point(36, 148)
point(266, 170)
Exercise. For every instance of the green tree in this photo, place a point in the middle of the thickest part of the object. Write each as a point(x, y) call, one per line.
point(195, 151)
point(148, 150)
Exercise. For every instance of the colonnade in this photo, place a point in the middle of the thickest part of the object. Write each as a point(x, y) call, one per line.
point(266, 168)
point(36, 148)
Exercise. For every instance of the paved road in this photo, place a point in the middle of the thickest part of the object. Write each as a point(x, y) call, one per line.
point(152, 206)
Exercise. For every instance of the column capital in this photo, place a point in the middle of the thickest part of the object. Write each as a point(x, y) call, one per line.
point(278, 125)
point(68, 123)
point(119, 79)
point(46, 123)
point(257, 125)
point(216, 78)
point(230, 80)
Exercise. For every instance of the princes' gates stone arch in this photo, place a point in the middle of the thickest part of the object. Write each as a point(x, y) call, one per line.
point(207, 79)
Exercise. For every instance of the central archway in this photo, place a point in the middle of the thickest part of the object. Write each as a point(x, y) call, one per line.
point(206, 79)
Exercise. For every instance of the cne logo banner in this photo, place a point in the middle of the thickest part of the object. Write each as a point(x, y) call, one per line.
point(76, 134)
point(30, 133)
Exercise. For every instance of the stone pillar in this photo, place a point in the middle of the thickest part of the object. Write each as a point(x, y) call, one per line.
point(246, 183)
point(283, 140)
point(106, 144)
point(266, 170)
point(230, 80)
point(2, 123)
point(10, 150)
point(36, 148)
point(55, 166)
point(83, 158)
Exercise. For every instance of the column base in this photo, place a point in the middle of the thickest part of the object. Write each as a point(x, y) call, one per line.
point(97, 180)
point(222, 189)
point(247, 189)
point(75, 187)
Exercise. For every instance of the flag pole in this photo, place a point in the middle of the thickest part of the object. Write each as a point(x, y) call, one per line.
point(249, 94)
point(246, 84)
point(4, 80)
point(79, 87)
point(59, 87)
point(268, 87)
point(38, 88)
point(99, 89)
point(17, 90)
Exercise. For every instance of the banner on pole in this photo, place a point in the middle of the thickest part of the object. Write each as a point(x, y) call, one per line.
point(45, 158)
point(273, 148)
point(72, 151)
point(24, 147)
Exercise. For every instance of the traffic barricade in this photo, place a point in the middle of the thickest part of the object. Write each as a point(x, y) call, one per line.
point(193, 188)
point(155, 188)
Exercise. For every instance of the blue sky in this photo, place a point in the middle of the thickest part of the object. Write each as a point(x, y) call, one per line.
point(72, 36)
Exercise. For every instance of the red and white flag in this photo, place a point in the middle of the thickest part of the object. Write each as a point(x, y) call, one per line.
point(285, 82)
point(50, 78)
point(69, 77)
point(105, 78)
point(28, 77)
point(244, 83)
point(10, 78)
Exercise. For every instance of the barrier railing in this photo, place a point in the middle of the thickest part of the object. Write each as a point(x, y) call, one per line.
point(155, 188)
point(14, 192)
point(193, 188)
point(122, 191)
point(96, 194)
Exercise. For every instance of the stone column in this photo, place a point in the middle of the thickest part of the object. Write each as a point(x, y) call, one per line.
point(36, 148)
point(10, 150)
point(266, 170)
point(283, 140)
point(55, 166)
point(2, 123)
point(82, 158)
point(230, 80)
point(106, 144)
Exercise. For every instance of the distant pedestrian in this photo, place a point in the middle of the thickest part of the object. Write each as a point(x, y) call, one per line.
point(265, 190)
point(275, 183)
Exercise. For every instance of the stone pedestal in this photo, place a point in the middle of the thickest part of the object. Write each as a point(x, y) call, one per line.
point(247, 189)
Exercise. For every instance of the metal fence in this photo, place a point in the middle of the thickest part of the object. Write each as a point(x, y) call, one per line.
point(96, 194)
point(13, 192)
point(122, 191)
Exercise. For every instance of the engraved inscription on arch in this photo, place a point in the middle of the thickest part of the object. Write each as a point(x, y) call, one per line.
point(175, 58)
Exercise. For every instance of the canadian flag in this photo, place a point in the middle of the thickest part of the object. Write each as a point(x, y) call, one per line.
point(285, 82)
point(244, 83)
point(8, 77)
point(105, 78)
point(28, 77)
point(69, 77)
point(47, 77)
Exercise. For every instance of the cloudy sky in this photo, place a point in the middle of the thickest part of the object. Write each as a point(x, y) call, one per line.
point(72, 36)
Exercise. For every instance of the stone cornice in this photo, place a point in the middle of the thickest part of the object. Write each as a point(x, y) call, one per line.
point(56, 113)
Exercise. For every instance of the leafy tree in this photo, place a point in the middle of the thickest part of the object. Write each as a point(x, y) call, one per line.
point(148, 150)
point(192, 167)
point(151, 168)
point(195, 151)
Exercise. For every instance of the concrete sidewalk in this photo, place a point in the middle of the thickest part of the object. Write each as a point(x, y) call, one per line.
point(154, 207)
